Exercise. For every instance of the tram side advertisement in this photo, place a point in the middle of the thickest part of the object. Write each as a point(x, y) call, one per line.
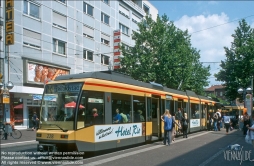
point(194, 123)
point(114, 132)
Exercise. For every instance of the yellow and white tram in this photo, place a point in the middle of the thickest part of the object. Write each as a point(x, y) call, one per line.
point(78, 112)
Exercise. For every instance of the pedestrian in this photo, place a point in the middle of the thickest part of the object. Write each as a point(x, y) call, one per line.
point(168, 125)
point(219, 119)
point(251, 130)
point(215, 120)
point(226, 122)
point(179, 116)
point(185, 122)
point(209, 122)
point(173, 128)
point(246, 123)
point(34, 120)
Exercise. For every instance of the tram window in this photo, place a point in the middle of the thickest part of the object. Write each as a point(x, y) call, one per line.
point(195, 114)
point(139, 108)
point(59, 105)
point(93, 113)
point(167, 103)
point(171, 110)
point(204, 110)
point(180, 105)
point(149, 110)
point(184, 107)
point(121, 108)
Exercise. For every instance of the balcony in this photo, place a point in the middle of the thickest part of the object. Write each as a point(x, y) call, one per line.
point(135, 6)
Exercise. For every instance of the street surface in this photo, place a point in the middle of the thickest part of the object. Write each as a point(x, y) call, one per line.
point(199, 149)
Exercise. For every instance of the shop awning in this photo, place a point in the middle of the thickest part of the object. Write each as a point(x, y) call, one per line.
point(20, 106)
point(73, 105)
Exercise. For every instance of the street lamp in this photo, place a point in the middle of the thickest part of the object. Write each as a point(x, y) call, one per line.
point(244, 91)
point(9, 85)
point(4, 92)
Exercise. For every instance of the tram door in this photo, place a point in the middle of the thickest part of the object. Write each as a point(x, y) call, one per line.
point(155, 118)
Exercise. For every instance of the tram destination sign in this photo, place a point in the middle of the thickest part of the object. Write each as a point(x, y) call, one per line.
point(58, 88)
point(116, 132)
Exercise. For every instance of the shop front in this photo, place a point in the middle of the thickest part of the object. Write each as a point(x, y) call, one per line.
point(26, 99)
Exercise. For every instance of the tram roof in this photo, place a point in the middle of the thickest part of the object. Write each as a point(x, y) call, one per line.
point(118, 77)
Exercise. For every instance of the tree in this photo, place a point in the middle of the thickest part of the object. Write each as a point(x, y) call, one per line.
point(163, 54)
point(238, 67)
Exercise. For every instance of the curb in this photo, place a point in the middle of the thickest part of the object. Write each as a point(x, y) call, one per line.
point(7, 145)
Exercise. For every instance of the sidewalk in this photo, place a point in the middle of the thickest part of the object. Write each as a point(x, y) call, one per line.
point(28, 137)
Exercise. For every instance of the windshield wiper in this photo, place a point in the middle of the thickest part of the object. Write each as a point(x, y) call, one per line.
point(64, 130)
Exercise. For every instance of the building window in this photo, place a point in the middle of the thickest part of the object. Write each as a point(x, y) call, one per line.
point(32, 9)
point(63, 1)
point(59, 20)
point(88, 9)
point(123, 11)
point(124, 29)
point(104, 59)
point(31, 38)
point(88, 55)
point(135, 18)
point(105, 1)
point(126, 47)
point(105, 18)
point(105, 39)
point(220, 93)
point(88, 32)
point(59, 46)
point(146, 9)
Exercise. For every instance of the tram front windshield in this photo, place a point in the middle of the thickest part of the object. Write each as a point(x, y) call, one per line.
point(59, 106)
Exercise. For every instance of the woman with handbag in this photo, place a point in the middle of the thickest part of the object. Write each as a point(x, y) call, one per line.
point(185, 122)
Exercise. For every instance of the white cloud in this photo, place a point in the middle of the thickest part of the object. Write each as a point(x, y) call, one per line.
point(209, 34)
point(212, 3)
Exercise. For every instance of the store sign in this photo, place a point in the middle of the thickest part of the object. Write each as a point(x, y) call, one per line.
point(9, 22)
point(37, 73)
point(194, 123)
point(117, 52)
point(116, 132)
point(45, 98)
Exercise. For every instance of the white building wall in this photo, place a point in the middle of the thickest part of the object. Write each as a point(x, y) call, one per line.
point(73, 36)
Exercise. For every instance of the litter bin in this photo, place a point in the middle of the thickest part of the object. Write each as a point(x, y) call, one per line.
point(8, 129)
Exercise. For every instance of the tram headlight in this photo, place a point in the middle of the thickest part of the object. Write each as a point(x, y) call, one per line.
point(64, 136)
point(38, 135)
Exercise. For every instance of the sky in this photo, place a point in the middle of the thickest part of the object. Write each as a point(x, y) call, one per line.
point(210, 24)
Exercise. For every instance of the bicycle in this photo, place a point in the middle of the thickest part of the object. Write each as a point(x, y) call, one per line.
point(15, 133)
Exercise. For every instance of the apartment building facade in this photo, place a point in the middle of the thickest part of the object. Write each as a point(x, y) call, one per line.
point(60, 37)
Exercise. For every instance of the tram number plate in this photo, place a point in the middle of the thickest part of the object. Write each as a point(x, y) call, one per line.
point(50, 136)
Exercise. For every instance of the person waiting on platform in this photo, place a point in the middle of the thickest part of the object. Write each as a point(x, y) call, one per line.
point(168, 124)
point(209, 122)
point(185, 122)
point(117, 118)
